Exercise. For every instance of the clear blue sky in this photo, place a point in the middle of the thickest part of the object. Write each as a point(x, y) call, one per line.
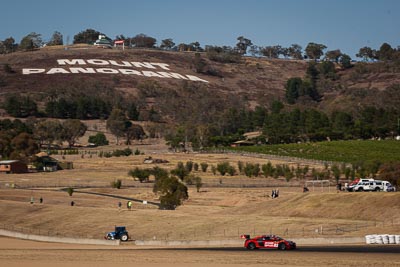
point(339, 24)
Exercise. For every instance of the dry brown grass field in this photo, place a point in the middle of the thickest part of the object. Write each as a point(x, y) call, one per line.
point(225, 208)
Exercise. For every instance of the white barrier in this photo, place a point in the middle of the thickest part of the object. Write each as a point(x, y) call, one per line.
point(55, 239)
point(382, 239)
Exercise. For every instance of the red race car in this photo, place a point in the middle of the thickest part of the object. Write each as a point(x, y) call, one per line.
point(268, 241)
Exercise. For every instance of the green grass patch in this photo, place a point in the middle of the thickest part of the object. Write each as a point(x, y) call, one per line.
point(340, 151)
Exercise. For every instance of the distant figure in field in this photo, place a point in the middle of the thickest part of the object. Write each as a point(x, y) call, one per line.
point(41, 200)
point(129, 205)
point(72, 203)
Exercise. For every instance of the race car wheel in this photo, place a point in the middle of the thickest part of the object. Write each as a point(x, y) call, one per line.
point(108, 237)
point(251, 246)
point(124, 238)
point(282, 246)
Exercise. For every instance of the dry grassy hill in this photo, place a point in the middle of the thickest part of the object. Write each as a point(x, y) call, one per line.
point(215, 213)
point(254, 81)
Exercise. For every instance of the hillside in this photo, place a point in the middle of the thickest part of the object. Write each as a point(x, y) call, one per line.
point(172, 81)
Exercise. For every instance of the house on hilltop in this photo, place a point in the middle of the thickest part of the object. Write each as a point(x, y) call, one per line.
point(103, 42)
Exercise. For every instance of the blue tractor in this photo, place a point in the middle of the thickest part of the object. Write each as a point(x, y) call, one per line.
point(119, 233)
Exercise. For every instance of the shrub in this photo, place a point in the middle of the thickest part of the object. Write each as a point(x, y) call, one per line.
point(142, 174)
point(99, 139)
point(116, 184)
point(267, 169)
point(213, 169)
point(231, 170)
point(189, 166)
point(124, 152)
point(204, 166)
point(240, 166)
point(70, 191)
point(198, 183)
point(223, 167)
point(195, 167)
point(252, 169)
point(180, 171)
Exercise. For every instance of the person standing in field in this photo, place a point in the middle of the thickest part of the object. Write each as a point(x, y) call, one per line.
point(129, 205)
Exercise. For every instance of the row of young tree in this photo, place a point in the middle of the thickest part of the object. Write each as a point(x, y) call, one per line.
point(243, 46)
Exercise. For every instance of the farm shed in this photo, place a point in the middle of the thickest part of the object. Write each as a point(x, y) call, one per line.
point(13, 166)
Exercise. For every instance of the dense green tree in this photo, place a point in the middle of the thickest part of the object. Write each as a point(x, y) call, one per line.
point(333, 55)
point(47, 131)
point(56, 39)
point(342, 122)
point(271, 51)
point(195, 46)
point(312, 74)
point(88, 36)
point(31, 41)
point(61, 108)
point(8, 46)
point(24, 146)
point(295, 51)
point(385, 52)
point(367, 53)
point(20, 106)
point(167, 44)
point(133, 112)
point(172, 192)
point(345, 61)
point(242, 45)
point(142, 40)
point(117, 123)
point(314, 51)
point(177, 138)
point(293, 88)
point(327, 69)
point(98, 139)
point(276, 106)
point(72, 129)
point(141, 174)
point(133, 132)
point(5, 144)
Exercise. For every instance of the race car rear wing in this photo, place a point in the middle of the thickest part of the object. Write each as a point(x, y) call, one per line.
point(245, 236)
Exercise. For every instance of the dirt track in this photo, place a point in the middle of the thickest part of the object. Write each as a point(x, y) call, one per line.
point(15, 252)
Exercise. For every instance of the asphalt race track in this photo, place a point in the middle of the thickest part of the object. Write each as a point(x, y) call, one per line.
point(304, 249)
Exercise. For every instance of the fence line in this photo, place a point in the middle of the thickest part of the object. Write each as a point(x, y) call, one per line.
point(272, 157)
point(213, 233)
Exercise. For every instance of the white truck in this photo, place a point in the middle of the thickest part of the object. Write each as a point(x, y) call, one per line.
point(370, 185)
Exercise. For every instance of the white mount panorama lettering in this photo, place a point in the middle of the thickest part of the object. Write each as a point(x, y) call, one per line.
point(146, 69)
